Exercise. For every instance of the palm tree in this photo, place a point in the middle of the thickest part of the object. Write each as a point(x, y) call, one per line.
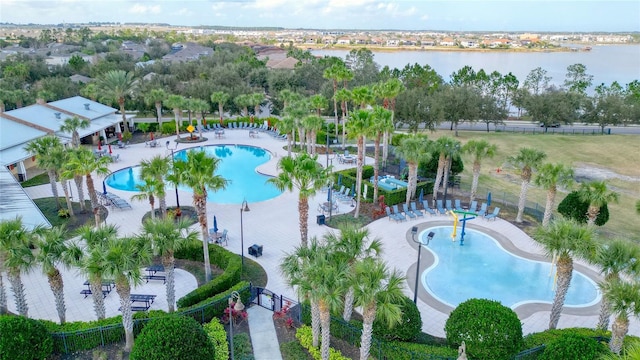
point(479, 150)
point(363, 96)
point(198, 173)
point(82, 161)
point(359, 124)
point(158, 167)
point(564, 240)
point(333, 73)
point(343, 95)
point(297, 270)
point(615, 257)
point(313, 123)
point(176, 103)
point(166, 236)
point(148, 191)
point(596, 194)
point(624, 299)
point(527, 161)
point(243, 101)
point(414, 149)
point(256, 100)
point(125, 258)
point(287, 125)
point(308, 176)
point(72, 125)
point(52, 252)
point(16, 258)
point(381, 124)
point(287, 96)
point(379, 292)
point(389, 91)
point(117, 85)
point(90, 259)
point(155, 97)
point(59, 157)
point(201, 107)
point(220, 98)
point(318, 102)
point(631, 352)
point(442, 146)
point(550, 176)
point(352, 245)
point(42, 149)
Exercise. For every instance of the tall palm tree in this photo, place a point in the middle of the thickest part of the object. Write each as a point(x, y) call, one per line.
point(442, 146)
point(155, 97)
point(363, 96)
point(298, 109)
point(243, 101)
point(359, 124)
point(52, 252)
point(42, 148)
point(117, 85)
point(352, 245)
point(16, 258)
point(379, 292)
point(125, 259)
point(527, 161)
point(318, 103)
point(89, 257)
point(414, 149)
point(296, 267)
point(220, 98)
point(479, 150)
point(176, 103)
point(82, 161)
point(72, 125)
point(287, 96)
point(287, 125)
point(624, 299)
point(333, 73)
point(306, 175)
point(166, 236)
point(597, 195)
point(148, 191)
point(344, 96)
point(201, 107)
point(256, 100)
point(157, 167)
point(380, 125)
point(198, 173)
point(565, 240)
point(615, 258)
point(389, 91)
point(60, 156)
point(631, 352)
point(550, 176)
point(313, 123)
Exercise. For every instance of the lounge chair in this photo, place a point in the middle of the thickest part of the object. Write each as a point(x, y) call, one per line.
point(425, 206)
point(494, 214)
point(440, 207)
point(474, 206)
point(120, 204)
point(483, 209)
point(457, 205)
point(398, 213)
point(337, 194)
point(115, 157)
point(346, 197)
point(448, 206)
point(408, 212)
point(415, 209)
point(390, 215)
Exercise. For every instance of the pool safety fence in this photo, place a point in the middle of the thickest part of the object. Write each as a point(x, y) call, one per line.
point(505, 199)
point(71, 341)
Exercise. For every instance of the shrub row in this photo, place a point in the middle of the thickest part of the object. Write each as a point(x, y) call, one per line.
point(306, 339)
point(218, 335)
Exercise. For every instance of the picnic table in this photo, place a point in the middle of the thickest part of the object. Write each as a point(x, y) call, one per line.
point(144, 300)
point(107, 286)
point(253, 133)
point(152, 273)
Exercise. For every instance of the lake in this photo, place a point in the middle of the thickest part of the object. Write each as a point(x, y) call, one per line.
point(607, 63)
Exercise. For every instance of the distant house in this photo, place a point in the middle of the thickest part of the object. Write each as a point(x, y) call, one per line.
point(187, 51)
point(80, 79)
point(393, 42)
point(343, 41)
point(447, 42)
point(361, 40)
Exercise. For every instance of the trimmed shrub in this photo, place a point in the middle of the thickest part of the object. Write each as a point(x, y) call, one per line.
point(168, 127)
point(306, 340)
point(409, 328)
point(218, 335)
point(242, 348)
point(172, 337)
point(22, 338)
point(572, 207)
point(574, 347)
point(490, 330)
point(292, 350)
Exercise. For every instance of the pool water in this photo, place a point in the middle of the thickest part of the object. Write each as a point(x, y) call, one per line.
point(237, 164)
point(483, 269)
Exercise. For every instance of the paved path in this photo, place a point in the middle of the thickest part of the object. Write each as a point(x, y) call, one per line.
point(274, 224)
point(263, 334)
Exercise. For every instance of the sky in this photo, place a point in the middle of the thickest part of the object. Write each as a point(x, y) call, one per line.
point(453, 15)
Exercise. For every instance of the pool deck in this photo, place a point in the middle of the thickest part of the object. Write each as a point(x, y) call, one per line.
point(274, 224)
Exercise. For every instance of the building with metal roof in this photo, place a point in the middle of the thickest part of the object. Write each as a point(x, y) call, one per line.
point(14, 202)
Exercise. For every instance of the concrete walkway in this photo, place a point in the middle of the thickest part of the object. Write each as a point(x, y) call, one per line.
point(263, 334)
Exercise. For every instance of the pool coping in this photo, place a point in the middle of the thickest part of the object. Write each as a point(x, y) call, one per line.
point(427, 259)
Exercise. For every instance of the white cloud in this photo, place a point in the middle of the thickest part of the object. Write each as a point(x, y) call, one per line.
point(143, 9)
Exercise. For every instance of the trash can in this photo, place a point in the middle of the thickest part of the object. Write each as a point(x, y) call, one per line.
point(21, 179)
point(320, 219)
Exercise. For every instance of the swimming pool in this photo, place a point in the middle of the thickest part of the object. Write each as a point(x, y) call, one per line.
point(238, 164)
point(483, 269)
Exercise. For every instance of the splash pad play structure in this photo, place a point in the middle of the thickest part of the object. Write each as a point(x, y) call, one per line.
point(457, 220)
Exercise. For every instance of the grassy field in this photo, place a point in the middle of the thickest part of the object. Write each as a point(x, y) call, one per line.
point(615, 155)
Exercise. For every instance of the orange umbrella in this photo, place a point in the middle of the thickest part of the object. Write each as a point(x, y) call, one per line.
point(110, 149)
point(221, 121)
point(99, 147)
point(151, 136)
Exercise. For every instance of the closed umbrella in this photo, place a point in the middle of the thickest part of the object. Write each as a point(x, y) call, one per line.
point(110, 149)
point(215, 225)
point(151, 136)
point(339, 179)
point(120, 136)
point(99, 145)
point(329, 195)
point(104, 188)
point(489, 199)
point(420, 196)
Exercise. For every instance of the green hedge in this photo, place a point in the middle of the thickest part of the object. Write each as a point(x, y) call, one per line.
point(22, 338)
point(574, 347)
point(230, 262)
point(306, 340)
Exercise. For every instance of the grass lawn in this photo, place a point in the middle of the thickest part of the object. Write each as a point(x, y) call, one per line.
point(50, 211)
point(36, 180)
point(591, 153)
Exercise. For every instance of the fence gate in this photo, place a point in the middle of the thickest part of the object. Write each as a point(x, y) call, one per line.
point(274, 302)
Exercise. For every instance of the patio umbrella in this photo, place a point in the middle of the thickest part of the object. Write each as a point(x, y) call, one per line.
point(420, 196)
point(339, 179)
point(99, 146)
point(215, 225)
point(221, 121)
point(120, 136)
point(110, 149)
point(151, 135)
point(353, 189)
point(104, 188)
point(329, 194)
point(204, 122)
point(489, 199)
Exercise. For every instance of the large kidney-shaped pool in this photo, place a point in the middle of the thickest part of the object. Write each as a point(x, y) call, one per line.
point(238, 164)
point(483, 269)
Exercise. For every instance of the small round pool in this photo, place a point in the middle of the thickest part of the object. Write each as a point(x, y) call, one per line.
point(483, 269)
point(238, 164)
